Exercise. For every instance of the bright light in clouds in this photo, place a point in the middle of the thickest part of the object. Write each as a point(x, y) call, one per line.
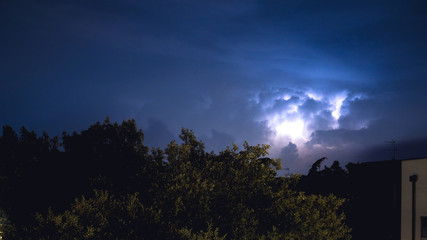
point(336, 105)
point(292, 109)
point(290, 123)
point(287, 127)
point(293, 115)
point(286, 97)
point(314, 96)
point(293, 129)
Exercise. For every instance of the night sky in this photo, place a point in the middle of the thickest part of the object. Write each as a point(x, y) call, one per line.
point(313, 79)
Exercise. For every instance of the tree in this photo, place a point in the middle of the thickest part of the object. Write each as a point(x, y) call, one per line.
point(23, 169)
point(311, 217)
point(107, 156)
point(315, 168)
point(103, 216)
point(182, 192)
point(238, 193)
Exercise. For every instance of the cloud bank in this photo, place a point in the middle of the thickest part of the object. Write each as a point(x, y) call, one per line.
point(332, 79)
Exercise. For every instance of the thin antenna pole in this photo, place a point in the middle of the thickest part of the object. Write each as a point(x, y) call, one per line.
point(394, 148)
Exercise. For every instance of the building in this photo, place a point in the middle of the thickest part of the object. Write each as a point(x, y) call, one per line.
point(414, 199)
point(389, 199)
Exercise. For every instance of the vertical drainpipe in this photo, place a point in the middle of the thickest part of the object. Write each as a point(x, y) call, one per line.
point(413, 179)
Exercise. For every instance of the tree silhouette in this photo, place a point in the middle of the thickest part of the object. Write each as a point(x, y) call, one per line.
point(103, 183)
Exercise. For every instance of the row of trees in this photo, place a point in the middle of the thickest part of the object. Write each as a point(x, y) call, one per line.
point(103, 183)
point(372, 193)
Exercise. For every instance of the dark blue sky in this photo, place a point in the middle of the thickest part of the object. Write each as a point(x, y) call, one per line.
point(310, 78)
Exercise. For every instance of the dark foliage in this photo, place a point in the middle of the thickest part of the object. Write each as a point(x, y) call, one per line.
point(103, 183)
point(372, 192)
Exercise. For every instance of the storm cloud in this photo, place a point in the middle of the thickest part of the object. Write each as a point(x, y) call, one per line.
point(332, 79)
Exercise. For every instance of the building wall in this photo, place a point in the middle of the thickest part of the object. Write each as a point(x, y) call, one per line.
point(374, 211)
point(409, 168)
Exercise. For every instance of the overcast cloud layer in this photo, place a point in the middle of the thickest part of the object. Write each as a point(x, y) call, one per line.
point(312, 79)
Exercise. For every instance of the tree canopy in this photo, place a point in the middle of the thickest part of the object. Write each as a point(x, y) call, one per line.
point(103, 183)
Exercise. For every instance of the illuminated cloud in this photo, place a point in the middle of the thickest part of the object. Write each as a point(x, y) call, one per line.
point(298, 114)
point(306, 119)
point(335, 78)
